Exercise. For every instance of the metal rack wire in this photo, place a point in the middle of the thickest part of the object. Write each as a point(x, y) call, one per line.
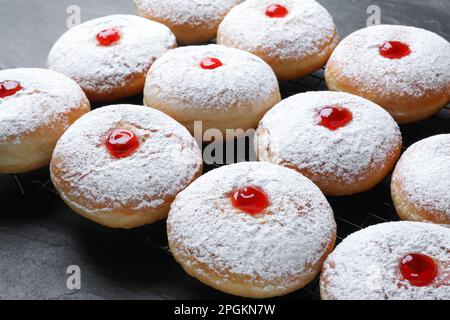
point(352, 213)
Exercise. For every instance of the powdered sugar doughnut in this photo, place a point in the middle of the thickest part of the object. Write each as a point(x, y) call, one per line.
point(109, 57)
point(36, 107)
point(390, 261)
point(225, 88)
point(252, 229)
point(295, 37)
point(421, 181)
point(123, 165)
point(403, 69)
point(192, 21)
point(343, 143)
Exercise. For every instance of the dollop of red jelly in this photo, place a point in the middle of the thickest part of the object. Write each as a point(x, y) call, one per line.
point(419, 269)
point(108, 37)
point(276, 11)
point(251, 200)
point(394, 50)
point(121, 143)
point(210, 63)
point(334, 117)
point(9, 87)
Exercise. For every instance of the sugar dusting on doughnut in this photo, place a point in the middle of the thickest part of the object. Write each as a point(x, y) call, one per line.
point(167, 159)
point(424, 174)
point(366, 264)
point(192, 12)
point(46, 97)
point(98, 68)
point(425, 69)
point(289, 134)
point(291, 234)
point(242, 79)
point(302, 33)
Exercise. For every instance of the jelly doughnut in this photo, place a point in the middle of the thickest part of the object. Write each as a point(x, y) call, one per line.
point(222, 87)
point(295, 37)
point(390, 261)
point(36, 107)
point(252, 229)
point(343, 143)
point(192, 21)
point(405, 70)
point(109, 57)
point(122, 166)
point(421, 181)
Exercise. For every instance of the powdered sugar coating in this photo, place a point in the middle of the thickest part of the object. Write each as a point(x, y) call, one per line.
point(178, 80)
point(424, 174)
point(166, 161)
point(365, 266)
point(357, 60)
point(78, 55)
point(274, 246)
point(193, 12)
point(46, 98)
point(306, 29)
point(289, 134)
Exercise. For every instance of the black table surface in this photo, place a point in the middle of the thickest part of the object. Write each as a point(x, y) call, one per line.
point(40, 237)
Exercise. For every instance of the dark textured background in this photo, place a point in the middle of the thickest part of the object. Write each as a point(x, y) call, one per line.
point(40, 237)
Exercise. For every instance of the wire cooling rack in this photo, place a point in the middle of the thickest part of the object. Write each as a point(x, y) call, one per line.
point(352, 213)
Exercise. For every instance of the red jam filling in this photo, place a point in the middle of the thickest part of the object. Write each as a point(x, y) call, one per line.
point(251, 200)
point(121, 143)
point(9, 87)
point(334, 117)
point(419, 269)
point(210, 63)
point(276, 11)
point(394, 50)
point(108, 37)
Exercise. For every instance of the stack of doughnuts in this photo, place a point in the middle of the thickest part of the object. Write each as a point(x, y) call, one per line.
point(256, 229)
